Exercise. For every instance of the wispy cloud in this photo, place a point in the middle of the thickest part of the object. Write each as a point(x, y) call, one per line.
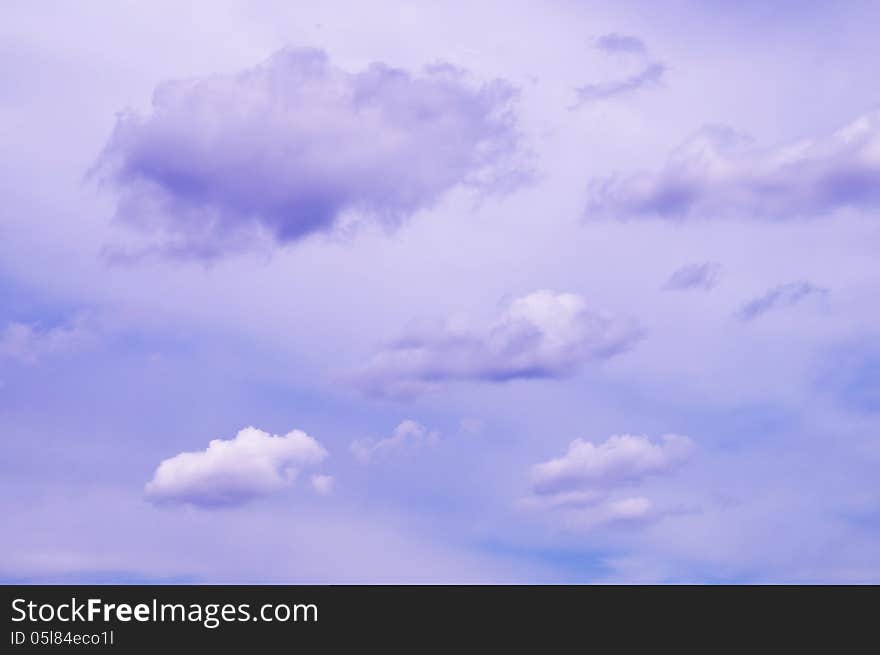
point(784, 295)
point(694, 276)
point(650, 73)
point(615, 43)
point(407, 434)
point(719, 174)
point(30, 342)
point(620, 460)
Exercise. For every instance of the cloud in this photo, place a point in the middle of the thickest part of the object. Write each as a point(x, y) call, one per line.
point(29, 342)
point(614, 43)
point(694, 276)
point(541, 335)
point(719, 174)
point(589, 485)
point(295, 146)
point(323, 484)
point(231, 472)
point(785, 295)
point(620, 460)
point(408, 433)
point(634, 510)
point(651, 74)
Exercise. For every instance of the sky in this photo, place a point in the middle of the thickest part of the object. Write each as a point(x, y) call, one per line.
point(395, 292)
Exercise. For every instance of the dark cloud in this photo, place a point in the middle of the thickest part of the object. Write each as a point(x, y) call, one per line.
point(295, 145)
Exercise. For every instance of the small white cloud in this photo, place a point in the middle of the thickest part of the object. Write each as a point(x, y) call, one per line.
point(622, 459)
point(231, 472)
point(589, 484)
point(322, 484)
point(407, 433)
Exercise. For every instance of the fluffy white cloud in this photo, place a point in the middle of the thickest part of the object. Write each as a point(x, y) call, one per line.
point(544, 334)
point(621, 459)
point(719, 174)
point(233, 471)
point(407, 433)
point(589, 483)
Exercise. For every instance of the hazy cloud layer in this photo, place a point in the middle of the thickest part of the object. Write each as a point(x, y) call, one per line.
point(785, 295)
point(230, 472)
point(542, 335)
point(718, 173)
point(694, 276)
point(29, 342)
point(288, 148)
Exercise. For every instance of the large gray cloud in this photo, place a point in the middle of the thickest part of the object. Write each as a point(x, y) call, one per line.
point(296, 145)
point(541, 335)
point(719, 173)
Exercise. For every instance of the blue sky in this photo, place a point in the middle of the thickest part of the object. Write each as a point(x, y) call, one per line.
point(323, 292)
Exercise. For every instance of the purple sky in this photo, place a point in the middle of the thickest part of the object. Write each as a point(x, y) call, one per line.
point(403, 292)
